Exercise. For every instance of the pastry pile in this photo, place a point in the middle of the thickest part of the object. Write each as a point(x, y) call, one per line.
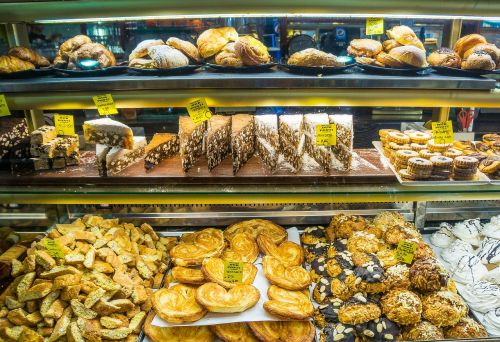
point(365, 292)
point(314, 58)
point(487, 152)
point(20, 58)
point(87, 280)
point(157, 54)
point(81, 48)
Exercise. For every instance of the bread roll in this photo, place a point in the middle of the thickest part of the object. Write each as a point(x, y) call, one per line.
point(389, 61)
point(404, 35)
point(251, 51)
point(369, 61)
point(166, 57)
point(141, 50)
point(364, 48)
point(228, 57)
point(186, 48)
point(29, 55)
point(212, 41)
point(479, 60)
point(313, 57)
point(410, 56)
point(490, 49)
point(10, 64)
point(72, 45)
point(96, 52)
point(468, 42)
point(390, 44)
point(445, 57)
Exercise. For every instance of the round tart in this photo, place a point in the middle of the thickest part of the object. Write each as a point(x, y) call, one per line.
point(288, 304)
point(255, 227)
point(418, 147)
point(398, 137)
point(452, 153)
point(402, 306)
point(188, 275)
point(185, 334)
point(285, 331)
point(287, 277)
point(358, 310)
point(234, 332)
point(420, 137)
point(443, 308)
point(177, 304)
point(216, 298)
point(434, 147)
point(287, 252)
point(195, 247)
point(242, 247)
point(213, 270)
point(427, 154)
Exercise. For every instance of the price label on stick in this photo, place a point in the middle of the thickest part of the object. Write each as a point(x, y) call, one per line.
point(374, 26)
point(64, 124)
point(443, 132)
point(233, 271)
point(198, 110)
point(326, 135)
point(4, 108)
point(105, 104)
point(53, 248)
point(406, 251)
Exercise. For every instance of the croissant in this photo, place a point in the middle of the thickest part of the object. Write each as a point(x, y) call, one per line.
point(251, 51)
point(141, 50)
point(228, 57)
point(73, 44)
point(29, 55)
point(94, 51)
point(166, 57)
point(10, 64)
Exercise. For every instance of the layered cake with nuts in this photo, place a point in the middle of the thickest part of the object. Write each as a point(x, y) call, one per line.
point(101, 151)
point(321, 154)
point(51, 151)
point(108, 132)
point(119, 159)
point(161, 147)
point(343, 150)
point(191, 137)
point(43, 135)
point(242, 140)
point(218, 139)
point(267, 140)
point(292, 139)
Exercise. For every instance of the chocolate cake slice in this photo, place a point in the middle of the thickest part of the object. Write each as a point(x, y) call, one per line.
point(242, 140)
point(267, 143)
point(218, 139)
point(161, 147)
point(292, 139)
point(119, 159)
point(191, 137)
point(108, 132)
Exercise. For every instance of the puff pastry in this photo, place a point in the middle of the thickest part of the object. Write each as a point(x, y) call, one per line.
point(166, 57)
point(234, 332)
point(176, 334)
point(286, 331)
point(215, 298)
point(29, 55)
point(255, 227)
point(288, 304)
point(186, 48)
point(228, 57)
point(213, 40)
point(251, 51)
point(242, 247)
point(178, 304)
point(288, 277)
point(195, 247)
point(186, 275)
point(213, 270)
point(141, 50)
point(289, 253)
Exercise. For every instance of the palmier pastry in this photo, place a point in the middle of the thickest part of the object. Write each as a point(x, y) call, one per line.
point(443, 308)
point(186, 275)
point(466, 328)
point(228, 57)
point(422, 331)
point(141, 50)
point(29, 55)
point(177, 334)
point(286, 331)
point(313, 58)
point(255, 227)
point(215, 298)
point(288, 304)
point(468, 42)
point(251, 51)
point(213, 270)
point(364, 48)
point(178, 304)
point(358, 310)
point(402, 306)
point(242, 247)
point(428, 275)
point(390, 44)
point(287, 277)
point(445, 57)
point(186, 48)
point(288, 253)
point(213, 40)
point(195, 247)
point(234, 332)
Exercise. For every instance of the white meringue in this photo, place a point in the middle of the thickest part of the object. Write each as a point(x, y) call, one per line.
point(493, 276)
point(468, 269)
point(456, 250)
point(492, 322)
point(468, 231)
point(491, 230)
point(489, 252)
point(482, 296)
point(495, 220)
point(444, 236)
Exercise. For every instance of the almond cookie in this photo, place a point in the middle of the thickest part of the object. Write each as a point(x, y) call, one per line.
point(398, 137)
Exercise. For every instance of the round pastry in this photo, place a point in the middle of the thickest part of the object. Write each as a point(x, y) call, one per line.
point(489, 251)
point(213, 270)
point(405, 175)
point(213, 40)
point(492, 321)
point(404, 155)
point(338, 332)
point(404, 35)
point(339, 262)
point(358, 309)
point(482, 295)
point(380, 329)
point(328, 313)
point(288, 253)
point(491, 230)
point(363, 242)
point(419, 167)
point(251, 51)
point(490, 165)
point(479, 60)
point(491, 138)
point(466, 328)
point(452, 153)
point(188, 275)
point(422, 331)
point(398, 137)
point(397, 233)
point(443, 308)
point(388, 219)
point(428, 275)
point(313, 235)
point(444, 236)
point(186, 48)
point(427, 154)
point(465, 162)
point(463, 145)
point(287, 277)
point(397, 277)
point(468, 269)
point(364, 48)
point(180, 333)
point(288, 304)
point(315, 251)
point(410, 56)
point(234, 332)
point(343, 226)
point(396, 147)
point(177, 304)
point(241, 248)
point(468, 230)
point(423, 251)
point(314, 58)
point(323, 290)
point(255, 227)
point(216, 298)
point(195, 247)
point(468, 42)
point(292, 331)
point(435, 147)
point(388, 60)
point(228, 57)
point(420, 137)
point(373, 229)
point(455, 251)
point(370, 277)
point(441, 161)
point(384, 132)
point(402, 306)
point(445, 57)
point(387, 257)
point(390, 44)
point(418, 147)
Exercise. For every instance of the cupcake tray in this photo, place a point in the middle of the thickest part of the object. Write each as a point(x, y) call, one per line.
point(483, 179)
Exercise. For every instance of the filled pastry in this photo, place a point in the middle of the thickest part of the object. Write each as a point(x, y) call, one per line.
point(81, 48)
point(287, 252)
point(9, 64)
point(228, 56)
point(178, 304)
point(251, 51)
point(287, 277)
point(213, 270)
point(216, 298)
point(313, 58)
point(156, 54)
point(212, 41)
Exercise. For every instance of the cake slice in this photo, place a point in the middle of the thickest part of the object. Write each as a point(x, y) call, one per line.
point(292, 139)
point(43, 135)
point(119, 159)
point(101, 151)
point(242, 140)
point(108, 132)
point(218, 139)
point(12, 133)
point(161, 147)
point(321, 154)
point(66, 145)
point(345, 128)
point(267, 140)
point(191, 137)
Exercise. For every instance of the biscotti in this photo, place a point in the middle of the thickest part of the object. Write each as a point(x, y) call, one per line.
point(161, 147)
point(218, 139)
point(191, 139)
point(108, 132)
point(242, 140)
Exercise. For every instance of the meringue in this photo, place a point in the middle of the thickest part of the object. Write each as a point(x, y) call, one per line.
point(482, 296)
point(492, 322)
point(456, 250)
point(444, 236)
point(491, 230)
point(493, 276)
point(469, 269)
point(468, 231)
point(489, 252)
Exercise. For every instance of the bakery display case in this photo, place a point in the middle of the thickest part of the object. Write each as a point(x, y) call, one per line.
point(186, 171)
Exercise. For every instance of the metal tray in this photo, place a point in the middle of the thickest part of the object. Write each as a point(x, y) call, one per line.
point(380, 149)
point(461, 72)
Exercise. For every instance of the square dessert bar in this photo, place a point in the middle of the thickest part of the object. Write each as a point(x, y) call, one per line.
point(43, 135)
point(191, 138)
point(242, 140)
point(108, 132)
point(66, 145)
point(118, 159)
point(161, 147)
point(218, 139)
point(292, 139)
point(12, 132)
point(267, 140)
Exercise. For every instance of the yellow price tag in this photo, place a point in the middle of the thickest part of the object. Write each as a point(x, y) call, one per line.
point(405, 251)
point(4, 108)
point(443, 132)
point(233, 271)
point(198, 110)
point(64, 124)
point(374, 26)
point(53, 248)
point(326, 135)
point(105, 104)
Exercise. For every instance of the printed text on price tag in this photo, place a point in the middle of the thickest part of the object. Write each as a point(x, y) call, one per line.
point(64, 124)
point(105, 104)
point(53, 248)
point(405, 251)
point(4, 108)
point(233, 271)
point(443, 132)
point(198, 110)
point(326, 135)
point(374, 26)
